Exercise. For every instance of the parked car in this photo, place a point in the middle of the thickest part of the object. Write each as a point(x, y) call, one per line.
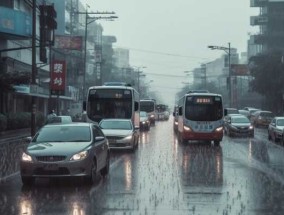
point(65, 150)
point(120, 133)
point(276, 129)
point(261, 118)
point(144, 121)
point(238, 125)
point(59, 119)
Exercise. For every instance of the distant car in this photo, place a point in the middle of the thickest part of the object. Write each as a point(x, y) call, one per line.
point(276, 129)
point(120, 133)
point(251, 110)
point(144, 121)
point(244, 112)
point(261, 118)
point(59, 119)
point(238, 125)
point(175, 121)
point(230, 111)
point(66, 150)
point(166, 115)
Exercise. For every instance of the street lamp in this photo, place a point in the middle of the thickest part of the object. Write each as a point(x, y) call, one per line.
point(228, 51)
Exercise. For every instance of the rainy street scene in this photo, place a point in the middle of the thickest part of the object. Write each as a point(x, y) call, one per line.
point(146, 107)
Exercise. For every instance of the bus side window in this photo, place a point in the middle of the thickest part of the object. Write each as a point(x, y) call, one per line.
point(180, 111)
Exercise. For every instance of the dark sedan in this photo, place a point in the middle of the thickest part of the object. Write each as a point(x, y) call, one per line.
point(238, 125)
point(64, 150)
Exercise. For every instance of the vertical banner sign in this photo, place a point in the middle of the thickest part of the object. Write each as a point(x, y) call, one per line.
point(57, 77)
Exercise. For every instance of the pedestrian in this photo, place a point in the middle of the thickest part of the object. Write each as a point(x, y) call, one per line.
point(51, 114)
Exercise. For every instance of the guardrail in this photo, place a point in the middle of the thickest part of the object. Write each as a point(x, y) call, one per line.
point(11, 148)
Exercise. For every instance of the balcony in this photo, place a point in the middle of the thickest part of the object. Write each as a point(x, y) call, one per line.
point(268, 38)
point(258, 20)
point(258, 3)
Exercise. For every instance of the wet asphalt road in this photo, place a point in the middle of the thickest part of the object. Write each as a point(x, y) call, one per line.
point(241, 176)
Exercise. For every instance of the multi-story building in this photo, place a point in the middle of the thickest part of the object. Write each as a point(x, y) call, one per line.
point(271, 29)
point(16, 32)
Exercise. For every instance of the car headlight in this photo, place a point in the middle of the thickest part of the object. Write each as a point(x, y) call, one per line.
point(152, 116)
point(128, 137)
point(219, 129)
point(250, 127)
point(143, 122)
point(26, 157)
point(79, 156)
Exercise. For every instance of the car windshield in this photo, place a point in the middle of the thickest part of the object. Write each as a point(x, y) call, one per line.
point(108, 124)
point(280, 122)
point(63, 134)
point(240, 120)
point(266, 114)
point(143, 114)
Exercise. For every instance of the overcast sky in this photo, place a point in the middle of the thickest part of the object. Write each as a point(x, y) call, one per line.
point(169, 37)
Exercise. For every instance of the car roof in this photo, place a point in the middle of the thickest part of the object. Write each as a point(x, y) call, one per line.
point(74, 124)
point(114, 119)
point(237, 115)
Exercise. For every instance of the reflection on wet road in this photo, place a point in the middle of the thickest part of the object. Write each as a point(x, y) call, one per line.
point(241, 176)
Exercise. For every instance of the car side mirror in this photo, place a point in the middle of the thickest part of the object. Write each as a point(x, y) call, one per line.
point(99, 138)
point(28, 139)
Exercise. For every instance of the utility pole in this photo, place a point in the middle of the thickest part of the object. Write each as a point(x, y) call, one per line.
point(34, 69)
point(86, 13)
point(228, 51)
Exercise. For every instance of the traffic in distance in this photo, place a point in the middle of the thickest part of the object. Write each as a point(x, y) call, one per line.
point(114, 119)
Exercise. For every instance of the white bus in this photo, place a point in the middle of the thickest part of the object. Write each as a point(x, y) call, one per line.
point(112, 102)
point(200, 117)
point(149, 106)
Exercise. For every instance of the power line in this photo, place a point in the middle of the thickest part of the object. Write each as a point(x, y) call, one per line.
point(162, 53)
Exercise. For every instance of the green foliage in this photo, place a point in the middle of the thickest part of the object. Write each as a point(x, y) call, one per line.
point(7, 80)
point(3, 122)
point(18, 120)
point(268, 72)
point(40, 119)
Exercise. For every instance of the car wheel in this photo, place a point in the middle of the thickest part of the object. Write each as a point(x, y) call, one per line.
point(93, 173)
point(27, 181)
point(104, 171)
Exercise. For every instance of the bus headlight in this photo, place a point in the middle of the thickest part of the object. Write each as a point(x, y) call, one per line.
point(186, 128)
point(219, 129)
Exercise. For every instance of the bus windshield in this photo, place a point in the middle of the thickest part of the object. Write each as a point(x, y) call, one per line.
point(203, 108)
point(109, 103)
point(147, 106)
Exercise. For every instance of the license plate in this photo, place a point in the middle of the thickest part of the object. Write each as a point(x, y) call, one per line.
point(50, 166)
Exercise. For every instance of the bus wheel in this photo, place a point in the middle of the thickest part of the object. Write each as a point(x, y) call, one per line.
point(216, 142)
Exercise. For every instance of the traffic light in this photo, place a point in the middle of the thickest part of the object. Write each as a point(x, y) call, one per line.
point(47, 26)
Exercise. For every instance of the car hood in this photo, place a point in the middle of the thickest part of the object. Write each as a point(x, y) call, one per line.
point(57, 148)
point(280, 127)
point(116, 132)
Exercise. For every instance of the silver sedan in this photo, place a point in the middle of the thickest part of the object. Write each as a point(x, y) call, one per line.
point(120, 133)
point(64, 150)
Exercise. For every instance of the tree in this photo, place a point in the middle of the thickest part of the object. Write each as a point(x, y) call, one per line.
point(7, 81)
point(267, 70)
